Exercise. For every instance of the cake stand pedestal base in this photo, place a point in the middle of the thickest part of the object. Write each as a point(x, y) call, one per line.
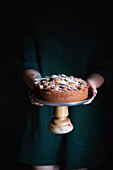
point(60, 124)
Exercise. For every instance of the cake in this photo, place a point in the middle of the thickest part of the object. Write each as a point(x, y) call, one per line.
point(60, 88)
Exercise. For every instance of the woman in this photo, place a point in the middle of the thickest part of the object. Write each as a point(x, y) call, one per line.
point(66, 39)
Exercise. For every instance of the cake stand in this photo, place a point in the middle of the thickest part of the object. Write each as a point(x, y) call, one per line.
point(60, 124)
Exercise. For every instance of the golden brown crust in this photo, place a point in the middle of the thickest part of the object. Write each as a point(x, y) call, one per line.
point(61, 89)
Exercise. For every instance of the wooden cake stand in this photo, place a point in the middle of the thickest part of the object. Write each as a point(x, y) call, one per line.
point(60, 124)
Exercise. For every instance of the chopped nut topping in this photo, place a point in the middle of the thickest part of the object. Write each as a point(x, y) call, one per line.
point(60, 82)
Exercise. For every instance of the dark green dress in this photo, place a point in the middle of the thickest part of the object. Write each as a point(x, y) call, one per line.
point(70, 40)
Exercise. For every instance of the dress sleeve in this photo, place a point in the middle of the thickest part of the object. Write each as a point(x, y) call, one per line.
point(102, 60)
point(28, 57)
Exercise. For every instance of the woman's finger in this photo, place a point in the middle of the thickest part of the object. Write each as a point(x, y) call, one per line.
point(93, 89)
point(36, 103)
point(89, 101)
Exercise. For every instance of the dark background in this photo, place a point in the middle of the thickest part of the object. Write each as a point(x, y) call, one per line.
point(12, 94)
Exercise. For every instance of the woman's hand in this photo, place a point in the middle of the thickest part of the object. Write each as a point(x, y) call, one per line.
point(30, 76)
point(94, 81)
point(92, 87)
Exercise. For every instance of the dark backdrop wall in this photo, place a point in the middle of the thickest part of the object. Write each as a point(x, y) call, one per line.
point(11, 92)
point(13, 95)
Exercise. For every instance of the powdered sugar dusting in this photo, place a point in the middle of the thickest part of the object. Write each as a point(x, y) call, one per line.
point(60, 82)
